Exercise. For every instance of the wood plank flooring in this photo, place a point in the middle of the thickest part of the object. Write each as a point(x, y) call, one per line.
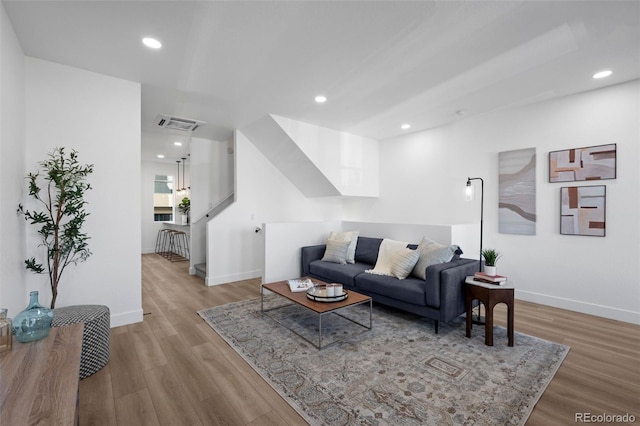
point(173, 369)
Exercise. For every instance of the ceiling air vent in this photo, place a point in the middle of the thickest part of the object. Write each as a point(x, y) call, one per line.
point(177, 123)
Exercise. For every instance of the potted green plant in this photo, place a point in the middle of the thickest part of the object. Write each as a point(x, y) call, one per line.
point(184, 207)
point(491, 257)
point(59, 190)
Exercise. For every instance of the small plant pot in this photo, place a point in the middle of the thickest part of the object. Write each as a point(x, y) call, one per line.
point(491, 270)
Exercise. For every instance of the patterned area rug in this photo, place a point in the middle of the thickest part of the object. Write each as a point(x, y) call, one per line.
point(399, 373)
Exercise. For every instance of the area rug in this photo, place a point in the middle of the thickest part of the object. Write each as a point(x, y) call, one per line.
point(399, 373)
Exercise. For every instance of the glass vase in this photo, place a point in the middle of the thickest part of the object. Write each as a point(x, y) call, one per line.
point(34, 322)
point(6, 332)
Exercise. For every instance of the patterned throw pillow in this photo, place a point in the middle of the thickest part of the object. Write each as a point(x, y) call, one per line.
point(432, 253)
point(352, 237)
point(336, 251)
point(403, 263)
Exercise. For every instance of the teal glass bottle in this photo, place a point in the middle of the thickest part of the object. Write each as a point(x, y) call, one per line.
point(34, 322)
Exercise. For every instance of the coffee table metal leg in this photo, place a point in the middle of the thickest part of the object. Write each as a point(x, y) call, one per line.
point(319, 345)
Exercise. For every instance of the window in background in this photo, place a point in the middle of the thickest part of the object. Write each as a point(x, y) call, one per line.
point(163, 199)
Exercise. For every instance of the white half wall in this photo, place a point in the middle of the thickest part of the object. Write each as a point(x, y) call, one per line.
point(593, 275)
point(99, 116)
point(282, 241)
point(13, 290)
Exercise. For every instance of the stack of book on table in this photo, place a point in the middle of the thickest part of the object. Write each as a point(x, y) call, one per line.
point(491, 279)
point(300, 285)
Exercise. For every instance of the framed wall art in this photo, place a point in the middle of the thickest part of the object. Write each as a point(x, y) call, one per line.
point(517, 192)
point(582, 210)
point(580, 164)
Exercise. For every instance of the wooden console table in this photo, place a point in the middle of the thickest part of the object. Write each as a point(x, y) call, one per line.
point(39, 380)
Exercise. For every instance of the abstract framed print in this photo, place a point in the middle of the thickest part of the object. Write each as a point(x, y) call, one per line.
point(582, 210)
point(517, 192)
point(580, 164)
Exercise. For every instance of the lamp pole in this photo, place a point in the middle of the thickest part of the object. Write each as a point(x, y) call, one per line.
point(469, 188)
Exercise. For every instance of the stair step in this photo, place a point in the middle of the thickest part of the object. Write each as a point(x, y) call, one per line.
point(201, 270)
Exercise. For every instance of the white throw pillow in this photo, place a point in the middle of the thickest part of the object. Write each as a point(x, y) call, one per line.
point(351, 236)
point(388, 249)
point(432, 253)
point(403, 263)
point(336, 251)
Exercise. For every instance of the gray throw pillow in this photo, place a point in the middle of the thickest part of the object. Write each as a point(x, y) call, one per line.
point(432, 253)
point(351, 236)
point(336, 251)
point(403, 263)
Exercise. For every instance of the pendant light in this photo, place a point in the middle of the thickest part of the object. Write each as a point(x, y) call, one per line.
point(183, 189)
point(178, 189)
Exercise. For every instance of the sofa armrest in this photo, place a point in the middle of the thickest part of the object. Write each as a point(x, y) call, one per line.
point(450, 278)
point(308, 255)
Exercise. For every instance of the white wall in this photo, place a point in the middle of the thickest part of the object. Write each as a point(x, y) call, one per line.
point(422, 177)
point(99, 116)
point(263, 195)
point(13, 291)
point(211, 174)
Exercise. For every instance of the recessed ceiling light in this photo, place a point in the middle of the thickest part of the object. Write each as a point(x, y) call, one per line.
point(405, 126)
point(160, 156)
point(176, 143)
point(602, 74)
point(321, 99)
point(152, 43)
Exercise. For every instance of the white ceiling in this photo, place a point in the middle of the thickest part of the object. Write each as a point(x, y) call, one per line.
point(380, 63)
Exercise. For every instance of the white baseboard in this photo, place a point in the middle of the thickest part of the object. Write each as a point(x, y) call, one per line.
point(125, 318)
point(579, 306)
point(224, 279)
point(148, 250)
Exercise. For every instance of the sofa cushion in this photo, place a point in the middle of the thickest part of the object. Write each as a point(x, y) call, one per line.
point(403, 263)
point(432, 253)
point(411, 290)
point(336, 251)
point(334, 272)
point(367, 250)
point(352, 237)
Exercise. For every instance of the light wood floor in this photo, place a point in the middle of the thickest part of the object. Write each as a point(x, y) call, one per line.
point(173, 369)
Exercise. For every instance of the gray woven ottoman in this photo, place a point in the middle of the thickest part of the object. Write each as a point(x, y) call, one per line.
point(95, 339)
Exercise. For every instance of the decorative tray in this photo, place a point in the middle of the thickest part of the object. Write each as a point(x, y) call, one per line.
point(318, 293)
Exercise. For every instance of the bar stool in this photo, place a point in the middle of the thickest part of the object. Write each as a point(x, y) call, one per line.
point(162, 242)
point(178, 246)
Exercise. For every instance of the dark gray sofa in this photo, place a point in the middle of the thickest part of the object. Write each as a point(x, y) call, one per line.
point(440, 297)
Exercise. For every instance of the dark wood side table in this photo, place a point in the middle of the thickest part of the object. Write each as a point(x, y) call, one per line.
point(490, 295)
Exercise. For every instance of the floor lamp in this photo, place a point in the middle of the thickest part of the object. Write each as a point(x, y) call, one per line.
point(469, 197)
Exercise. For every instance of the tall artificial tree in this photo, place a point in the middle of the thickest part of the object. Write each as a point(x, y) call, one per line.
point(59, 188)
